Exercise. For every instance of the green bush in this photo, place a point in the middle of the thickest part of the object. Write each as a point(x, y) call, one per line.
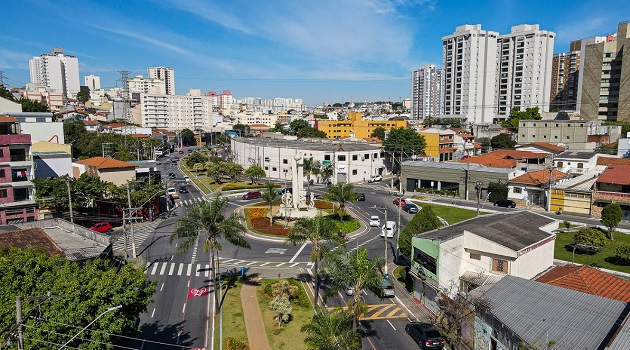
point(623, 252)
point(235, 344)
point(240, 186)
point(590, 237)
point(299, 299)
point(566, 224)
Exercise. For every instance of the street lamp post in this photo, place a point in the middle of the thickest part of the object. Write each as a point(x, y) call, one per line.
point(89, 324)
point(478, 188)
point(384, 211)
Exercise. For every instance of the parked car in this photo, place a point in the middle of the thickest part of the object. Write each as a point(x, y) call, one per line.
point(410, 208)
point(375, 221)
point(252, 195)
point(190, 151)
point(183, 189)
point(361, 197)
point(388, 288)
point(102, 227)
point(181, 151)
point(388, 229)
point(425, 334)
point(375, 178)
point(176, 158)
point(400, 202)
point(172, 192)
point(506, 203)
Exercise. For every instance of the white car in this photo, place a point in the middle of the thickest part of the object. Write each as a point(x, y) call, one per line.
point(187, 179)
point(375, 221)
point(388, 229)
point(375, 178)
point(172, 192)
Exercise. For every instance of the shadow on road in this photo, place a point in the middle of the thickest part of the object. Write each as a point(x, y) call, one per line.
point(158, 336)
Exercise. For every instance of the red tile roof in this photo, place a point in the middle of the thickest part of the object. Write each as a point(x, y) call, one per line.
point(616, 174)
point(372, 139)
point(8, 119)
point(612, 160)
point(546, 146)
point(503, 158)
point(139, 136)
point(588, 280)
point(537, 178)
point(32, 237)
point(106, 163)
point(115, 125)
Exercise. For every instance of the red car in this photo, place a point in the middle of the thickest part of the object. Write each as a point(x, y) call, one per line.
point(176, 158)
point(252, 195)
point(180, 152)
point(102, 227)
point(400, 202)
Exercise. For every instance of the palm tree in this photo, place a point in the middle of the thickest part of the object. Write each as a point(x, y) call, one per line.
point(309, 166)
point(269, 195)
point(341, 193)
point(209, 218)
point(355, 270)
point(327, 171)
point(331, 330)
point(317, 231)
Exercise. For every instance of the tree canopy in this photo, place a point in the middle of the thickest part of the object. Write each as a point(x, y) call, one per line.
point(424, 221)
point(498, 190)
point(379, 132)
point(404, 140)
point(29, 105)
point(502, 141)
point(590, 238)
point(188, 137)
point(86, 290)
point(83, 96)
point(516, 115)
point(255, 173)
point(611, 216)
point(4, 93)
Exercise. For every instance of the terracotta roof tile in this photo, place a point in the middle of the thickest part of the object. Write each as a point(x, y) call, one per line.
point(588, 280)
point(8, 119)
point(546, 146)
point(616, 174)
point(106, 163)
point(32, 237)
point(139, 136)
point(612, 160)
point(503, 158)
point(538, 177)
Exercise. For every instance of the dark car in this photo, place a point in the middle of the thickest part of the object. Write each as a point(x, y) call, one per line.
point(102, 227)
point(425, 334)
point(183, 189)
point(410, 208)
point(506, 203)
point(252, 195)
point(360, 197)
point(172, 175)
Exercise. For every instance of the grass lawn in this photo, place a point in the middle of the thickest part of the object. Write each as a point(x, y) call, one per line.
point(204, 183)
point(605, 258)
point(233, 320)
point(348, 225)
point(452, 215)
point(290, 335)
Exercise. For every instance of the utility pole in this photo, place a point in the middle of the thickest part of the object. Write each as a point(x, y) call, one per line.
point(70, 201)
point(478, 188)
point(550, 180)
point(133, 241)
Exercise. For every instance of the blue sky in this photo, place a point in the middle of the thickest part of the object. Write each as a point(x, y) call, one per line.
point(324, 50)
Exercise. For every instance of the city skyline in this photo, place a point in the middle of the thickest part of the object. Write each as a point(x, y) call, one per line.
point(324, 51)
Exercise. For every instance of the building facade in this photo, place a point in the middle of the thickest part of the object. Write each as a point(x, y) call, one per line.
point(559, 131)
point(469, 58)
point(565, 71)
point(427, 91)
point(142, 85)
point(167, 74)
point(93, 82)
point(56, 72)
point(440, 144)
point(192, 111)
point(355, 126)
point(606, 86)
point(17, 197)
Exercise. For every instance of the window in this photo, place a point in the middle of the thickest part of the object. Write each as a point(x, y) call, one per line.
point(354, 171)
point(266, 168)
point(355, 157)
point(285, 161)
point(475, 256)
point(427, 261)
point(580, 165)
point(2, 173)
point(341, 157)
point(375, 156)
point(266, 159)
point(40, 120)
point(518, 190)
point(327, 157)
point(500, 265)
point(3, 193)
point(1, 152)
point(559, 164)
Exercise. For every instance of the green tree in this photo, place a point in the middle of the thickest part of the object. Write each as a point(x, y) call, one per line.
point(502, 141)
point(310, 167)
point(341, 193)
point(283, 289)
point(331, 330)
point(269, 195)
point(356, 270)
point(498, 190)
point(83, 96)
point(590, 238)
point(283, 309)
point(195, 158)
point(327, 171)
point(255, 173)
point(4, 93)
point(424, 221)
point(29, 105)
point(241, 129)
point(296, 125)
point(622, 251)
point(319, 232)
point(188, 137)
point(516, 115)
point(611, 216)
point(379, 132)
point(233, 170)
point(310, 131)
point(209, 218)
point(403, 142)
point(216, 170)
point(485, 143)
point(87, 289)
point(279, 127)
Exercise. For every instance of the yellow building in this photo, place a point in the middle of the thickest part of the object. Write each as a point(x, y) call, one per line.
point(440, 144)
point(356, 126)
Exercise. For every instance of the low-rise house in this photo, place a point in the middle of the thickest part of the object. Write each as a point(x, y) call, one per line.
point(52, 159)
point(92, 125)
point(480, 251)
point(541, 147)
point(588, 279)
point(505, 158)
point(575, 195)
point(575, 162)
point(440, 144)
point(532, 188)
point(107, 169)
point(613, 185)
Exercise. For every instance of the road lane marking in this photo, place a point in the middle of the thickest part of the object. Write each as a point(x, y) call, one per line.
point(391, 325)
point(293, 265)
point(381, 310)
point(408, 311)
point(155, 266)
point(179, 271)
point(184, 309)
point(227, 260)
point(207, 273)
point(251, 263)
point(163, 268)
point(152, 312)
point(170, 271)
point(298, 253)
point(265, 264)
point(280, 264)
point(162, 287)
point(198, 270)
point(189, 270)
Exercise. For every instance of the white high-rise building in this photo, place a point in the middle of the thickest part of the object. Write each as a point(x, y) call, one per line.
point(427, 91)
point(93, 82)
point(469, 61)
point(524, 69)
point(192, 111)
point(142, 85)
point(56, 72)
point(164, 73)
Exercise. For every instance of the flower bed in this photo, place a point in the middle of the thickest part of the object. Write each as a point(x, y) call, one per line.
point(260, 222)
point(255, 212)
point(320, 204)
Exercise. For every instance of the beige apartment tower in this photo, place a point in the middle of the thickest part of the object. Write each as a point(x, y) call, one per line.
point(167, 74)
point(565, 71)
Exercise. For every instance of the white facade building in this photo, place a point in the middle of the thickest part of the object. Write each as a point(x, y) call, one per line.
point(427, 91)
point(93, 82)
point(276, 105)
point(469, 61)
point(57, 72)
point(353, 162)
point(142, 85)
point(523, 77)
point(164, 73)
point(193, 111)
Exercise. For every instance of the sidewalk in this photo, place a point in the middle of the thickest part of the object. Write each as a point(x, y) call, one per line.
point(256, 334)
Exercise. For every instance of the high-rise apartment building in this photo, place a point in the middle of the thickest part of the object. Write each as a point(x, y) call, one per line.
point(164, 73)
point(427, 91)
point(142, 85)
point(469, 59)
point(56, 72)
point(93, 82)
point(605, 92)
point(523, 79)
point(565, 71)
point(192, 111)
point(583, 44)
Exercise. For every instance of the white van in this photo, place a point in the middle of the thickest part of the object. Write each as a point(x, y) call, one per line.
point(389, 228)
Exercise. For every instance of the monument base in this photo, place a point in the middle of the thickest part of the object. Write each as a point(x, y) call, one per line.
point(293, 213)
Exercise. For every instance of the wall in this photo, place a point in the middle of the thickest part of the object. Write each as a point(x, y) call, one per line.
point(54, 165)
point(44, 131)
point(117, 176)
point(535, 261)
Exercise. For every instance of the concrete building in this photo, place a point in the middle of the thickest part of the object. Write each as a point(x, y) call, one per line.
point(565, 71)
point(355, 126)
point(605, 86)
point(564, 131)
point(575, 162)
point(93, 82)
point(57, 72)
point(164, 73)
point(353, 162)
point(254, 118)
point(427, 92)
point(583, 44)
point(142, 85)
point(523, 77)
point(17, 197)
point(469, 58)
point(8, 106)
point(107, 169)
point(52, 159)
point(192, 111)
point(440, 144)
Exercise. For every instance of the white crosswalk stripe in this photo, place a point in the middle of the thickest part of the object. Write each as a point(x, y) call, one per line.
point(183, 269)
point(140, 233)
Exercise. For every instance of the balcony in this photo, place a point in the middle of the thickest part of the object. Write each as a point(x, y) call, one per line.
point(612, 196)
